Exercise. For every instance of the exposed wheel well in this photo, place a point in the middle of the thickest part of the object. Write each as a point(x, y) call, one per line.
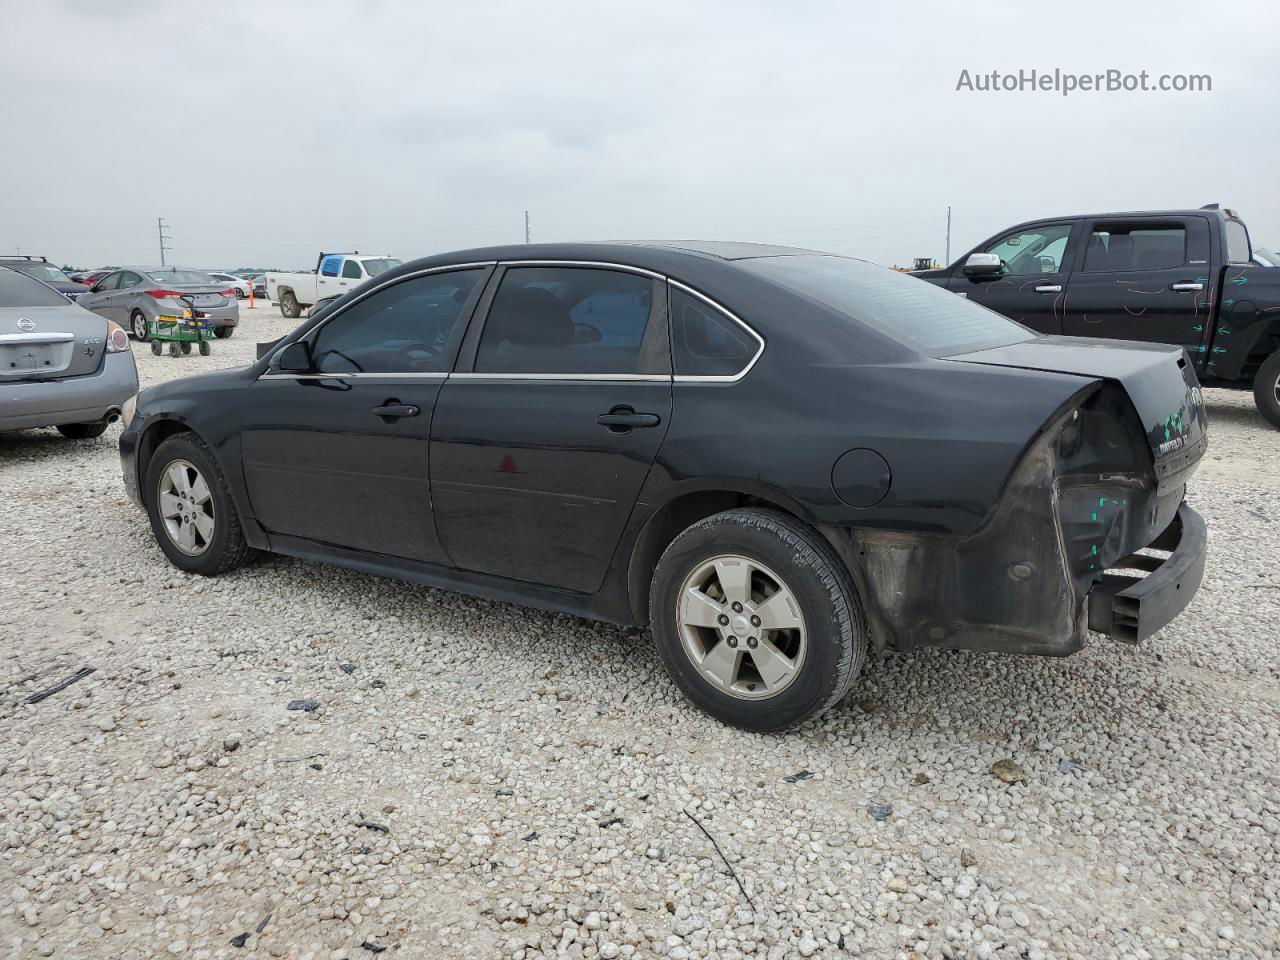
point(155, 435)
point(668, 523)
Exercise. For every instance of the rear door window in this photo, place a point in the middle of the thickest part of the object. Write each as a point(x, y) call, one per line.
point(1237, 242)
point(351, 270)
point(567, 320)
point(1126, 248)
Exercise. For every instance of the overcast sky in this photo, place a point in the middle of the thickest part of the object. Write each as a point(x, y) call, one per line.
point(264, 131)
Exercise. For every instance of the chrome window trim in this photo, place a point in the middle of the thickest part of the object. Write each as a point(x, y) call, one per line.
point(616, 377)
point(599, 264)
point(725, 378)
point(347, 306)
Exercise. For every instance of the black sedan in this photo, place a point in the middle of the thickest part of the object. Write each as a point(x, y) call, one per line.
point(778, 460)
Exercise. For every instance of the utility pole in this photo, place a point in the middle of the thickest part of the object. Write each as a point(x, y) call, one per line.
point(164, 238)
point(526, 226)
point(947, 261)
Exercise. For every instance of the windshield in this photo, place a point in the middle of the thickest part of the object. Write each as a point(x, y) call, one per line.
point(182, 276)
point(381, 265)
point(42, 271)
point(17, 290)
point(914, 312)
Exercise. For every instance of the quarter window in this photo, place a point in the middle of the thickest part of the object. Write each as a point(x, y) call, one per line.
point(351, 270)
point(410, 327)
point(705, 342)
point(128, 280)
point(566, 320)
point(1036, 250)
point(1117, 247)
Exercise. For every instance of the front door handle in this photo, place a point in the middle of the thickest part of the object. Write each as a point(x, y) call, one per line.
point(1049, 288)
point(1186, 287)
point(622, 419)
point(394, 410)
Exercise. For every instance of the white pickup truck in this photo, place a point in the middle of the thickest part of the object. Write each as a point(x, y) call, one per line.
point(334, 275)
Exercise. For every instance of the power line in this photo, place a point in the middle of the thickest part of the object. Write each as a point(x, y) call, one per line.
point(526, 226)
point(947, 261)
point(164, 236)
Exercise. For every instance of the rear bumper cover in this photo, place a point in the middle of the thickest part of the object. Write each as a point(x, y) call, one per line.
point(1132, 608)
point(48, 403)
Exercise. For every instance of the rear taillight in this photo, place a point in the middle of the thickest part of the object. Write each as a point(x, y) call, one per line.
point(227, 293)
point(163, 294)
point(117, 339)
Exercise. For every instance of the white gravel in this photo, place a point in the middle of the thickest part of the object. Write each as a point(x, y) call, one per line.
point(529, 783)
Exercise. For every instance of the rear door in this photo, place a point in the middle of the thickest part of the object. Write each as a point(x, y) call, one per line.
point(1031, 288)
point(544, 436)
point(98, 299)
point(120, 304)
point(340, 456)
point(1143, 279)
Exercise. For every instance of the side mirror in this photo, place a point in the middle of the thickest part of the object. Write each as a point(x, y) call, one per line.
point(983, 265)
point(295, 358)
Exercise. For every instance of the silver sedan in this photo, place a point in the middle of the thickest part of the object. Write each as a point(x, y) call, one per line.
point(60, 366)
point(135, 296)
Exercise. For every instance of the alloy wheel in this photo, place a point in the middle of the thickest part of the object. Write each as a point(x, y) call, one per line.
point(140, 326)
point(741, 626)
point(186, 507)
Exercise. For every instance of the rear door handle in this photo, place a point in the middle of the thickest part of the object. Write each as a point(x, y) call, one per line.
point(622, 419)
point(1186, 287)
point(1049, 288)
point(394, 410)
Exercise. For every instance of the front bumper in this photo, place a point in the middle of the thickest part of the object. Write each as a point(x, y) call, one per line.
point(84, 399)
point(1132, 608)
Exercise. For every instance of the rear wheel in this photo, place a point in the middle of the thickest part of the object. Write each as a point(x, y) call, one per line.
point(222, 333)
point(186, 349)
point(204, 348)
point(156, 347)
point(289, 306)
point(756, 619)
point(1266, 389)
point(82, 431)
point(173, 349)
point(138, 324)
point(189, 504)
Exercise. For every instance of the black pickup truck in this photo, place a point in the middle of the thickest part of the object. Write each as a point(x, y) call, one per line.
point(1185, 277)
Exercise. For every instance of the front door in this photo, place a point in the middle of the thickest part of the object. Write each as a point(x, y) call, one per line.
point(541, 444)
point(329, 282)
point(1144, 279)
point(1031, 285)
point(98, 299)
point(340, 455)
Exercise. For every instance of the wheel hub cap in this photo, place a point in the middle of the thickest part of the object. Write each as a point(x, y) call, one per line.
point(741, 627)
point(185, 506)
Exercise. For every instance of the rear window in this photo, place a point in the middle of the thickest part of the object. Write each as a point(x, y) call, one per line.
point(914, 312)
point(17, 290)
point(42, 271)
point(380, 265)
point(182, 276)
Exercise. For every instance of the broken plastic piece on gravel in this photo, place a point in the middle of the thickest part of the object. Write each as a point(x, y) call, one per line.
point(880, 810)
point(306, 704)
point(1069, 766)
point(802, 775)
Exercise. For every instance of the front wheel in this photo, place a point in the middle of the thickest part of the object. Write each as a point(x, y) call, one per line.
point(289, 306)
point(189, 504)
point(1266, 389)
point(756, 619)
point(138, 324)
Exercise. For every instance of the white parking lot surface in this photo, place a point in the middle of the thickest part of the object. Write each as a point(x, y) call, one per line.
point(484, 780)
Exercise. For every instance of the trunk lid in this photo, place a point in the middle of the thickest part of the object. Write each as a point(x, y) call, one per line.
point(1158, 378)
point(50, 343)
point(201, 295)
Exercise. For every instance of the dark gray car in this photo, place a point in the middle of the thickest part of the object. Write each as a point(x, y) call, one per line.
point(60, 365)
point(133, 296)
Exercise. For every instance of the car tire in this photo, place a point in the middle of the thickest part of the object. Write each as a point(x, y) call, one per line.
point(241, 295)
point(156, 347)
point(289, 306)
point(223, 333)
point(205, 349)
point(216, 545)
point(138, 325)
point(1266, 389)
point(811, 666)
point(82, 431)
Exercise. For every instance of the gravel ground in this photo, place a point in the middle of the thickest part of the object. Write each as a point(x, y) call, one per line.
point(484, 780)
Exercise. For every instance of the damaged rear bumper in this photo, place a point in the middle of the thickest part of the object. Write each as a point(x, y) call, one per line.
point(1132, 607)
